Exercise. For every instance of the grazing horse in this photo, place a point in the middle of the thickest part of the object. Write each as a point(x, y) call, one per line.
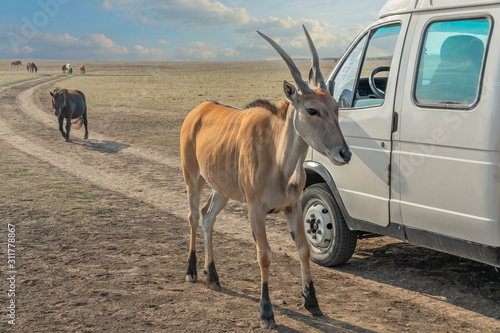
point(16, 63)
point(82, 69)
point(31, 67)
point(255, 155)
point(70, 104)
point(67, 69)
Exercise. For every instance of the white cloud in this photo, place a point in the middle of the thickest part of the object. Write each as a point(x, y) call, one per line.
point(194, 13)
point(143, 53)
point(229, 53)
point(162, 42)
point(196, 51)
point(88, 47)
point(109, 4)
point(296, 43)
point(287, 31)
point(204, 51)
point(25, 50)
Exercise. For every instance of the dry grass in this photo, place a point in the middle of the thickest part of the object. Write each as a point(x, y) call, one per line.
point(146, 103)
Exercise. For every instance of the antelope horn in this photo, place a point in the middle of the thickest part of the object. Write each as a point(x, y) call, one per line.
point(315, 77)
point(301, 84)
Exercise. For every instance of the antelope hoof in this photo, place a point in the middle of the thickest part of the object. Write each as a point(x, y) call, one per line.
point(212, 277)
point(314, 309)
point(191, 274)
point(268, 324)
point(311, 302)
point(266, 315)
point(214, 285)
point(192, 278)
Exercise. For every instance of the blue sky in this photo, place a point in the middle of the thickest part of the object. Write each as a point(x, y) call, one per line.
point(177, 30)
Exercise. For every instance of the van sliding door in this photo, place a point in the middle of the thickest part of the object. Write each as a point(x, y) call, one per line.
point(448, 151)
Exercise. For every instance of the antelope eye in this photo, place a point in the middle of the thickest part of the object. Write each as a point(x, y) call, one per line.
point(312, 112)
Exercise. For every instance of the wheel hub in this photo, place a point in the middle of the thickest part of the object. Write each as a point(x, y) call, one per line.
point(318, 225)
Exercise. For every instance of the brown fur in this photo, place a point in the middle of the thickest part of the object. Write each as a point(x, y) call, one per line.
point(279, 110)
point(255, 156)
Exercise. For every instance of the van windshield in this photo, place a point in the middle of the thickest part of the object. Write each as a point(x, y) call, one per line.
point(358, 82)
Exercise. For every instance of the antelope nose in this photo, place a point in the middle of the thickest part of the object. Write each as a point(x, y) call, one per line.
point(346, 155)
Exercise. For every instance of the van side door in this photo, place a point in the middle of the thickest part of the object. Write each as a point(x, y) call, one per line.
point(364, 84)
point(447, 157)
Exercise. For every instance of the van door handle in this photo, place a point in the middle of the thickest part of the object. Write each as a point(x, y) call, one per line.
point(395, 118)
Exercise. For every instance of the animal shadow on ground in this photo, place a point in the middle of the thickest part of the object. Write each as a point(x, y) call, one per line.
point(444, 276)
point(102, 146)
point(323, 323)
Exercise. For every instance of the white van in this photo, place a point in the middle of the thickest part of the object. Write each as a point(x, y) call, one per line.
point(419, 96)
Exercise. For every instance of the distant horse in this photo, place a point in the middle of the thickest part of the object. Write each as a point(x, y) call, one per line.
point(67, 69)
point(31, 67)
point(82, 69)
point(70, 104)
point(16, 63)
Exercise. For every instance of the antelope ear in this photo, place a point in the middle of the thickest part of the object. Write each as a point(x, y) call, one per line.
point(291, 93)
point(51, 94)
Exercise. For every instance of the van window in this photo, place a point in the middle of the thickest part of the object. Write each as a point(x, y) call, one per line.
point(346, 77)
point(362, 79)
point(451, 62)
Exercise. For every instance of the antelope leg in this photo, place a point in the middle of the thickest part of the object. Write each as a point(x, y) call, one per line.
point(293, 216)
point(215, 203)
point(257, 216)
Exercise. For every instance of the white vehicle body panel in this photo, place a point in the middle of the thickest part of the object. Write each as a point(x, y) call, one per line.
point(444, 160)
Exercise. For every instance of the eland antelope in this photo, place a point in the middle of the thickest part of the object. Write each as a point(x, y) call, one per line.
point(255, 155)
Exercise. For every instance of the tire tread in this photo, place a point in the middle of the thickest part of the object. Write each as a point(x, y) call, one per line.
point(345, 239)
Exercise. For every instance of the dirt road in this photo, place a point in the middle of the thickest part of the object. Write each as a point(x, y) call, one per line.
point(116, 262)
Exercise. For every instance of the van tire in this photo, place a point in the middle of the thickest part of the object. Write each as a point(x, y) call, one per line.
point(331, 242)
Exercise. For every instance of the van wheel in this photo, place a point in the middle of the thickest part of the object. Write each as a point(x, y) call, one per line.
point(330, 239)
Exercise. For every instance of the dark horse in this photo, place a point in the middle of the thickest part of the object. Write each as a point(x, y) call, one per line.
point(70, 104)
point(16, 63)
point(31, 67)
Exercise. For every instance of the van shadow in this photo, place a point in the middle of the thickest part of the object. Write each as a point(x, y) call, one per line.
point(461, 282)
point(323, 323)
point(102, 146)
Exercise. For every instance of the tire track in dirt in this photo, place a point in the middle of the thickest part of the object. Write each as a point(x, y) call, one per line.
point(157, 180)
point(27, 104)
point(4, 88)
point(135, 173)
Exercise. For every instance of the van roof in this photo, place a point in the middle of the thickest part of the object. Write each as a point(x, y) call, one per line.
point(393, 7)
